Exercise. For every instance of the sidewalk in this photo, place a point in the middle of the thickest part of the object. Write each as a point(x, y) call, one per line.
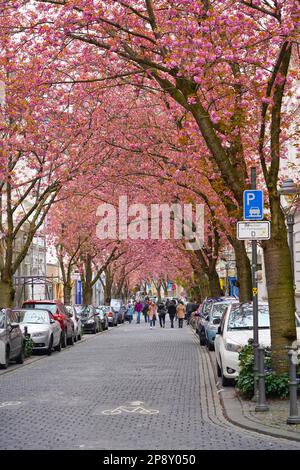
point(242, 413)
point(272, 422)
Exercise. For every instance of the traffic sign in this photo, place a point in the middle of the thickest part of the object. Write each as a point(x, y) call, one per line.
point(253, 230)
point(253, 204)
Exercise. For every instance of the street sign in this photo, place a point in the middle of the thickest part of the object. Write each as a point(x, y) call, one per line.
point(253, 230)
point(253, 204)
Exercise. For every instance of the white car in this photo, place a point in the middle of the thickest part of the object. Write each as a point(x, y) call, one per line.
point(12, 341)
point(235, 329)
point(44, 330)
point(76, 321)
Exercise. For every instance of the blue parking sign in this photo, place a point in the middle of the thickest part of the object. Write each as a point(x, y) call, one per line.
point(253, 204)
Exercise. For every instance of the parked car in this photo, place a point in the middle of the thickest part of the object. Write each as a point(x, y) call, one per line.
point(190, 308)
point(235, 329)
point(60, 314)
point(12, 341)
point(44, 330)
point(76, 322)
point(89, 317)
point(112, 316)
point(121, 314)
point(207, 325)
point(204, 308)
point(102, 311)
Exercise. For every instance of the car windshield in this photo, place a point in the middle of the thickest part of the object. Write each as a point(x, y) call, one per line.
point(206, 307)
point(85, 311)
point(2, 318)
point(51, 307)
point(218, 309)
point(35, 316)
point(241, 317)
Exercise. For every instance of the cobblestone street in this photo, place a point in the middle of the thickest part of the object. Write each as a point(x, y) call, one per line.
point(160, 378)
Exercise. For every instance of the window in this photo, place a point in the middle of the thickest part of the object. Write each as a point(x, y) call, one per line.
point(51, 307)
point(241, 317)
point(2, 318)
point(36, 317)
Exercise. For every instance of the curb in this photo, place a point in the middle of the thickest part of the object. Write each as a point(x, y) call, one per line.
point(244, 422)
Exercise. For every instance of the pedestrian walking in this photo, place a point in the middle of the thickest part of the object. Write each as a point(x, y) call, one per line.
point(130, 313)
point(145, 309)
point(138, 308)
point(172, 312)
point(161, 315)
point(180, 313)
point(152, 314)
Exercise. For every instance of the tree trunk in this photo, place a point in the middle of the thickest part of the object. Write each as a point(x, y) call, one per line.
point(108, 286)
point(244, 275)
point(67, 293)
point(281, 294)
point(7, 292)
point(214, 283)
point(87, 295)
point(158, 289)
point(107, 294)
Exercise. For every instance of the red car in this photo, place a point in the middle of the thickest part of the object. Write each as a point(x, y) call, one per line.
point(60, 314)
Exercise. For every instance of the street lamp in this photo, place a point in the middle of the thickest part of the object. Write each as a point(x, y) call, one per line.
point(290, 190)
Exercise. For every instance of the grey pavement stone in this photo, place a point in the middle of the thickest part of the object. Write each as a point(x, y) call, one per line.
point(63, 397)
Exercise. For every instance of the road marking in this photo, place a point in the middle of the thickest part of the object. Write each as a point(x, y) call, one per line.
point(10, 403)
point(133, 407)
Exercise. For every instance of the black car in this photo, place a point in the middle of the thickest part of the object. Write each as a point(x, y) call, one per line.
point(90, 319)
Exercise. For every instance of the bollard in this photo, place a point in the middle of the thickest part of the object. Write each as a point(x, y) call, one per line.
point(262, 405)
point(25, 331)
point(294, 417)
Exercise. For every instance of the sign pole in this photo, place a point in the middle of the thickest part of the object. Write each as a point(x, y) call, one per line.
point(255, 297)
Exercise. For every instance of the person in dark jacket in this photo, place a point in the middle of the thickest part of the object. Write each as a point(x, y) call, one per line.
point(161, 315)
point(172, 312)
point(145, 309)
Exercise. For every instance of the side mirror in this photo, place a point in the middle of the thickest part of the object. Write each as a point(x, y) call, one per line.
point(219, 331)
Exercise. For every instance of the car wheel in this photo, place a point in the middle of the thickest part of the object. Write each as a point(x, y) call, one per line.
point(79, 337)
point(219, 372)
point(70, 341)
point(49, 350)
point(202, 338)
point(64, 339)
point(5, 365)
point(58, 347)
point(225, 382)
point(210, 346)
point(21, 356)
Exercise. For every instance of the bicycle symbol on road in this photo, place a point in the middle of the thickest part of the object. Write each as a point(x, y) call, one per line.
point(10, 403)
point(133, 407)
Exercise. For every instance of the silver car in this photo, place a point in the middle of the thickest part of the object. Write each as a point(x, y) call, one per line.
point(12, 341)
point(44, 330)
point(76, 320)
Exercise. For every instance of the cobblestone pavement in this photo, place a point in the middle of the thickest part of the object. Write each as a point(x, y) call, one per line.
point(72, 399)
